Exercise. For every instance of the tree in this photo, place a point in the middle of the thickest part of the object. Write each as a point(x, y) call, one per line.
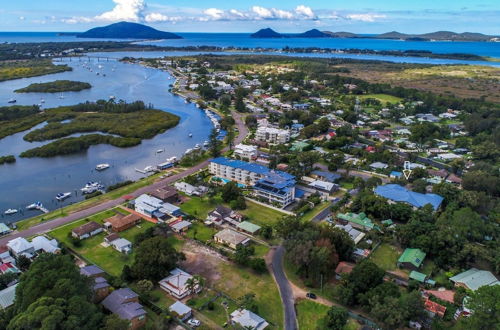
point(230, 191)
point(145, 286)
point(7, 278)
point(195, 283)
point(114, 322)
point(230, 138)
point(154, 259)
point(23, 262)
point(213, 143)
point(248, 302)
point(336, 318)
point(485, 304)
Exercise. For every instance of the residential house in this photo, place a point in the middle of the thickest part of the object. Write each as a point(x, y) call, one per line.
point(397, 193)
point(360, 220)
point(411, 259)
point(245, 151)
point(181, 311)
point(5, 255)
point(100, 287)
point(43, 244)
point(231, 238)
point(21, 247)
point(433, 308)
point(395, 175)
point(379, 166)
point(167, 194)
point(180, 226)
point(111, 237)
point(248, 319)
point(120, 222)
point(343, 268)
point(4, 229)
point(355, 234)
point(248, 227)
point(325, 176)
point(155, 208)
point(452, 178)
point(422, 278)
point(473, 279)
point(222, 214)
point(122, 245)
point(324, 186)
point(7, 296)
point(87, 230)
point(186, 188)
point(176, 284)
point(125, 303)
point(8, 267)
point(441, 293)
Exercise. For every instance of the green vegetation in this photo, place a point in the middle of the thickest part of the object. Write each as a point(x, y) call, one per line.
point(7, 159)
point(31, 68)
point(309, 313)
point(18, 118)
point(57, 86)
point(385, 256)
point(201, 232)
point(383, 98)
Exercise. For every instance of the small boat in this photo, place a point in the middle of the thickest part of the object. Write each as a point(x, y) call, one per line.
point(10, 211)
point(149, 169)
point(188, 151)
point(34, 206)
point(206, 144)
point(42, 100)
point(197, 147)
point(190, 134)
point(62, 196)
point(12, 101)
point(112, 97)
point(159, 151)
point(61, 96)
point(102, 167)
point(172, 160)
point(91, 187)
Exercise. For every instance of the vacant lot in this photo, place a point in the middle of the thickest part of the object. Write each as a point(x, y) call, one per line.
point(309, 314)
point(386, 257)
point(383, 98)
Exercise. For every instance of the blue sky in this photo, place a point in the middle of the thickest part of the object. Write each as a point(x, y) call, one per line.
point(362, 16)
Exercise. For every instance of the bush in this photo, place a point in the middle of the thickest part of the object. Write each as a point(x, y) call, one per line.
point(211, 306)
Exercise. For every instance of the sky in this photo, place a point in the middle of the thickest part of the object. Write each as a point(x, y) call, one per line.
point(359, 16)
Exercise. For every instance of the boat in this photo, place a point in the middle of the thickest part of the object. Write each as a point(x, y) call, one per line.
point(42, 100)
point(197, 147)
point(172, 160)
point(62, 196)
point(61, 96)
point(112, 97)
point(34, 206)
point(149, 169)
point(102, 167)
point(206, 144)
point(12, 101)
point(190, 134)
point(188, 151)
point(10, 211)
point(159, 151)
point(91, 187)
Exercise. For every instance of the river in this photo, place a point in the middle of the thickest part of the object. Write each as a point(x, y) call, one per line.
point(40, 179)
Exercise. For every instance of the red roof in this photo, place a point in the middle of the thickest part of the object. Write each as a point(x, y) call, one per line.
point(344, 267)
point(5, 267)
point(445, 295)
point(434, 307)
point(370, 149)
point(332, 134)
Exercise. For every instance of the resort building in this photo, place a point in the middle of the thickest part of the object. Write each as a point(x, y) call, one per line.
point(245, 151)
point(272, 135)
point(275, 187)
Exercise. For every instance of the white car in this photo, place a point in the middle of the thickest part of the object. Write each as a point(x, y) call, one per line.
point(194, 322)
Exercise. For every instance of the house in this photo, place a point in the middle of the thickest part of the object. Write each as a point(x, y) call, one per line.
point(186, 188)
point(5, 256)
point(343, 268)
point(180, 226)
point(379, 166)
point(87, 230)
point(443, 294)
point(176, 284)
point(452, 178)
point(248, 227)
point(154, 207)
point(325, 176)
point(21, 247)
point(360, 220)
point(356, 235)
point(231, 238)
point(110, 238)
point(434, 308)
point(181, 311)
point(167, 194)
point(122, 245)
point(324, 186)
point(43, 244)
point(4, 229)
point(473, 279)
point(125, 303)
point(100, 287)
point(245, 151)
point(420, 277)
point(223, 214)
point(8, 267)
point(7, 296)
point(248, 319)
point(299, 146)
point(397, 193)
point(411, 259)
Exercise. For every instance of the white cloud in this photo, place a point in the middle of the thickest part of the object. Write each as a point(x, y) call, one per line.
point(271, 13)
point(22, 18)
point(214, 13)
point(365, 17)
point(305, 11)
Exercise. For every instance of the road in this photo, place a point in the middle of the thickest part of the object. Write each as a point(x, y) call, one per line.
point(285, 288)
point(49, 225)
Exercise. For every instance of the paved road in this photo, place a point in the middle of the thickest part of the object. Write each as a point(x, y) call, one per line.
point(286, 291)
point(49, 225)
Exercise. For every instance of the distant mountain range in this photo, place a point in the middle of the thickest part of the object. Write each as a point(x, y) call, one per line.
point(127, 30)
point(439, 35)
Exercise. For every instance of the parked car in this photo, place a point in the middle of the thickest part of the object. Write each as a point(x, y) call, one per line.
point(311, 295)
point(194, 322)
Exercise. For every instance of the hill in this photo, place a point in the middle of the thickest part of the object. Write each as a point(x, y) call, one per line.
point(314, 33)
point(266, 33)
point(438, 35)
point(341, 34)
point(127, 30)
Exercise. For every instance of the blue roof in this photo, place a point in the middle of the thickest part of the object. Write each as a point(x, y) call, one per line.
point(331, 177)
point(396, 173)
point(252, 167)
point(398, 193)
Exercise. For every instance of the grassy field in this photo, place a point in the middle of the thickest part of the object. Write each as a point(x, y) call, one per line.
point(199, 207)
point(261, 215)
point(108, 258)
point(309, 313)
point(31, 68)
point(201, 232)
point(385, 256)
point(383, 98)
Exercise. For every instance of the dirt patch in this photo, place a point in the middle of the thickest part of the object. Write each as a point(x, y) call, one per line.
point(202, 260)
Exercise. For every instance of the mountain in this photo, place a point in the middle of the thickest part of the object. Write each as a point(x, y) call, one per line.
point(127, 30)
point(439, 35)
point(267, 33)
point(314, 33)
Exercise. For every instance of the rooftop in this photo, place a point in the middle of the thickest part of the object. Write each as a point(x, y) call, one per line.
point(475, 278)
point(414, 256)
point(7, 296)
point(398, 193)
point(251, 167)
point(249, 319)
point(86, 228)
point(360, 219)
point(248, 227)
point(179, 308)
point(121, 302)
point(232, 237)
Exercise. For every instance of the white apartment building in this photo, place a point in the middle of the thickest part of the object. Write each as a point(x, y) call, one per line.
point(272, 135)
point(245, 151)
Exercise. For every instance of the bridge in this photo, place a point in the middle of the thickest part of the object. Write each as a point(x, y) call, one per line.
point(84, 58)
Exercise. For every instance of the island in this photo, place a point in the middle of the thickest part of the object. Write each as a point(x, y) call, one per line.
point(123, 125)
point(127, 30)
point(29, 68)
point(7, 159)
point(57, 86)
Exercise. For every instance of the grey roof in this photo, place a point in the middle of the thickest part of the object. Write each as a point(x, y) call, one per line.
point(121, 243)
point(181, 225)
point(7, 296)
point(19, 244)
point(179, 308)
point(117, 303)
point(248, 319)
point(475, 278)
point(99, 283)
point(91, 270)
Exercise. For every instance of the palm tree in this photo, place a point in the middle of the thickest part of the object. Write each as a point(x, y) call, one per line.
point(200, 282)
point(191, 285)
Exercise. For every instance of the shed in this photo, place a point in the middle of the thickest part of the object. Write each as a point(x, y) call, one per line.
point(182, 311)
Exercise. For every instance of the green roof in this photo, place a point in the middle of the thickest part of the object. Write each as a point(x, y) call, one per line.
point(387, 222)
point(299, 145)
point(414, 256)
point(418, 276)
point(360, 219)
point(248, 227)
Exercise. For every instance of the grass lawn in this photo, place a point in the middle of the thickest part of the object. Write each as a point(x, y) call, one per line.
point(199, 207)
point(386, 256)
point(347, 185)
point(107, 258)
point(260, 250)
point(202, 232)
point(384, 98)
point(309, 313)
point(261, 215)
